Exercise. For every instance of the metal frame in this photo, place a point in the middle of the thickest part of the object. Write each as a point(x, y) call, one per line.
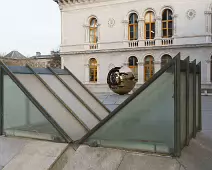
point(187, 100)
point(59, 99)
point(1, 102)
point(199, 70)
point(78, 81)
point(35, 102)
point(75, 94)
point(128, 100)
point(194, 98)
point(177, 122)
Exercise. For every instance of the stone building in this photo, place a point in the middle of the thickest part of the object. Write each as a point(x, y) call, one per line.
point(14, 58)
point(142, 34)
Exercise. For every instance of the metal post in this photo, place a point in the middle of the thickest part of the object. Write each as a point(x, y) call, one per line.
point(200, 97)
point(1, 101)
point(194, 98)
point(177, 128)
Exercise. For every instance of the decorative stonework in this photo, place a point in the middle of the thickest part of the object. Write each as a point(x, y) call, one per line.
point(191, 13)
point(111, 22)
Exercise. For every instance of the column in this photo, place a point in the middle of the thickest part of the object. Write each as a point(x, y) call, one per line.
point(140, 73)
point(174, 17)
point(62, 63)
point(98, 73)
point(86, 78)
point(208, 28)
point(125, 22)
point(157, 65)
point(141, 31)
point(158, 31)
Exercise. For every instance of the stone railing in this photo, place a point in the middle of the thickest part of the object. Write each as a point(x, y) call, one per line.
point(167, 41)
point(93, 46)
point(133, 43)
point(148, 43)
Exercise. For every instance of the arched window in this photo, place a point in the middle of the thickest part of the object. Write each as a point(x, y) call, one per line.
point(133, 27)
point(148, 67)
point(167, 24)
point(93, 34)
point(93, 70)
point(133, 65)
point(165, 59)
point(149, 25)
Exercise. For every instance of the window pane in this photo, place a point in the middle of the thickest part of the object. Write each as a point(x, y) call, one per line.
point(164, 16)
point(170, 25)
point(147, 27)
point(147, 17)
point(164, 25)
point(170, 15)
point(153, 27)
point(152, 17)
point(164, 33)
point(147, 35)
point(152, 35)
point(170, 32)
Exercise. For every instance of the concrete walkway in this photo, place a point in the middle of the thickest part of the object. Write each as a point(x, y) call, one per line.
point(23, 154)
point(198, 156)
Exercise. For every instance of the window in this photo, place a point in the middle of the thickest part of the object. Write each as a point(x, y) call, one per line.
point(133, 65)
point(93, 31)
point(167, 24)
point(133, 27)
point(148, 67)
point(149, 25)
point(93, 70)
point(165, 59)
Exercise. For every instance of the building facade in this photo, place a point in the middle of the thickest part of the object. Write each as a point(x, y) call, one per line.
point(141, 34)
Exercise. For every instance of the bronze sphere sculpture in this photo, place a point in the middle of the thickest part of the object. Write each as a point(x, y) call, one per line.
point(121, 80)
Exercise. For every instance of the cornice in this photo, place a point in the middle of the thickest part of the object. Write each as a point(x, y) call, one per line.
point(137, 49)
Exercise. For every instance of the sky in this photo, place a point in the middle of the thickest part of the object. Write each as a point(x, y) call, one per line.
point(29, 26)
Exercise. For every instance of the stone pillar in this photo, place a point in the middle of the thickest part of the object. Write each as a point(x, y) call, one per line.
point(86, 33)
point(158, 31)
point(62, 63)
point(174, 25)
point(208, 73)
point(208, 28)
point(86, 73)
point(141, 31)
point(140, 73)
point(125, 22)
point(98, 74)
point(157, 65)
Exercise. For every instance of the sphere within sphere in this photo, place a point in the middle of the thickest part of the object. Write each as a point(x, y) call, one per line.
point(121, 80)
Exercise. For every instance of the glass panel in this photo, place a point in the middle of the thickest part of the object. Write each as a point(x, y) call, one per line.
point(183, 107)
point(191, 105)
point(170, 25)
point(164, 25)
point(147, 120)
point(147, 27)
point(147, 35)
point(165, 33)
point(147, 17)
point(22, 118)
point(87, 98)
point(78, 108)
point(164, 16)
point(170, 15)
point(56, 110)
point(170, 32)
